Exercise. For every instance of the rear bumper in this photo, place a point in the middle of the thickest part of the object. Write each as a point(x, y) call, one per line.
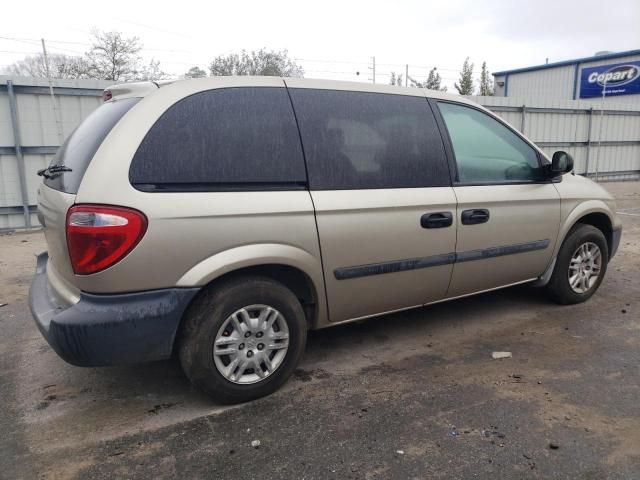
point(615, 241)
point(108, 329)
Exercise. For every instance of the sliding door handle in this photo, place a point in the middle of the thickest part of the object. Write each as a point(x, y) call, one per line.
point(436, 220)
point(475, 216)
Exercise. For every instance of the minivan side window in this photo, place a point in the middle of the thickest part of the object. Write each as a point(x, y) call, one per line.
point(224, 139)
point(486, 151)
point(360, 140)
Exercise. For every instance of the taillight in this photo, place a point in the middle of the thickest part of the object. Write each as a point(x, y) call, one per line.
point(99, 236)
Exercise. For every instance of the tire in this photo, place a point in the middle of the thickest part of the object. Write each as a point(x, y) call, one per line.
point(559, 286)
point(215, 308)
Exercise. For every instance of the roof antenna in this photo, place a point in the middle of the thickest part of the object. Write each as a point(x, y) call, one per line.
point(546, 61)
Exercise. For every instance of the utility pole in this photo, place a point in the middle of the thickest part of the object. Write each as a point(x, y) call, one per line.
point(373, 69)
point(406, 75)
point(56, 113)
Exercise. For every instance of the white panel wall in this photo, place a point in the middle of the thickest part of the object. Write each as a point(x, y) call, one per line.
point(557, 83)
point(548, 84)
point(38, 128)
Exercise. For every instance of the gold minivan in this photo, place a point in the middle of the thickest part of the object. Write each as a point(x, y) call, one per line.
point(222, 218)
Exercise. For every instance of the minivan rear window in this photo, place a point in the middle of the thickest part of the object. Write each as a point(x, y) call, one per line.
point(80, 147)
point(240, 138)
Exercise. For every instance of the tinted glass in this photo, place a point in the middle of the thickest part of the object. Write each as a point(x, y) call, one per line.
point(223, 139)
point(80, 147)
point(486, 150)
point(358, 140)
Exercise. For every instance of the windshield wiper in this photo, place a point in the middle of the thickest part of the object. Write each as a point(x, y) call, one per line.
point(53, 171)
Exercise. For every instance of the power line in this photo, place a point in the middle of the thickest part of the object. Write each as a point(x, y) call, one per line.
point(66, 49)
point(30, 41)
point(331, 61)
point(18, 51)
point(359, 67)
point(156, 28)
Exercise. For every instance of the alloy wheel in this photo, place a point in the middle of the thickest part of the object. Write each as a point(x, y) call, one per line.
point(585, 267)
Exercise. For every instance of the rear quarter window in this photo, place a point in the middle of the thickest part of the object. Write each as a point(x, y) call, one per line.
point(80, 147)
point(224, 139)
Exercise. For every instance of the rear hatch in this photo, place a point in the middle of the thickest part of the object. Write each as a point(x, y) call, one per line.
point(61, 184)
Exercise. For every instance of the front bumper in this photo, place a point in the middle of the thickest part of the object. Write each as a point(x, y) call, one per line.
point(108, 329)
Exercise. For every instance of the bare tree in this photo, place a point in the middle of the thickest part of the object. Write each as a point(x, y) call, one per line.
point(60, 66)
point(111, 57)
point(262, 62)
point(151, 71)
point(114, 57)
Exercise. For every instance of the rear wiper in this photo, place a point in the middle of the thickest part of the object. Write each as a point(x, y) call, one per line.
point(53, 171)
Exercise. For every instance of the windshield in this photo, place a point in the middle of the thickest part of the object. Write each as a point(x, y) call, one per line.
point(78, 150)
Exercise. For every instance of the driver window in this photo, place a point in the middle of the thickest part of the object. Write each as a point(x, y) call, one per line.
point(486, 151)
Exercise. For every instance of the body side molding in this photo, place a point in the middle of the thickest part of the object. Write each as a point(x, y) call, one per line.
point(344, 273)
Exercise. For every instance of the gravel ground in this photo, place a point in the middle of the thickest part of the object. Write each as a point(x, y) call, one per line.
point(410, 395)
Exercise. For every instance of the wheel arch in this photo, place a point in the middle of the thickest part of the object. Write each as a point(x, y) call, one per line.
point(602, 222)
point(295, 268)
point(594, 213)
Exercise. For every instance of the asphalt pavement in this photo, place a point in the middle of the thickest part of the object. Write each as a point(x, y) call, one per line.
point(410, 395)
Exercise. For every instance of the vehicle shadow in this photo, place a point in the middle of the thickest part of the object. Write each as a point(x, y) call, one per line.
point(114, 400)
point(421, 324)
point(334, 345)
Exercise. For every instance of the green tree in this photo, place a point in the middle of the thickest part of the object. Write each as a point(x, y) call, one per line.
point(465, 85)
point(396, 79)
point(433, 82)
point(195, 72)
point(486, 82)
point(262, 62)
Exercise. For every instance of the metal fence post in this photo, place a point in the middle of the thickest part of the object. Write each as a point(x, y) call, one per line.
point(524, 119)
point(13, 107)
point(586, 164)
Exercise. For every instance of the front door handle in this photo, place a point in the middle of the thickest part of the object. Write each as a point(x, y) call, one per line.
point(475, 216)
point(436, 220)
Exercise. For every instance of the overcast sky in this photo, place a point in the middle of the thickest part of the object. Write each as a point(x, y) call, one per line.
point(336, 39)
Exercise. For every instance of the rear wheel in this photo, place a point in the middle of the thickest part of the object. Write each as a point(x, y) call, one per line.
point(580, 266)
point(243, 339)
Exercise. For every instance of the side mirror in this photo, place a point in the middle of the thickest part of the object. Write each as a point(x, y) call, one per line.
point(561, 163)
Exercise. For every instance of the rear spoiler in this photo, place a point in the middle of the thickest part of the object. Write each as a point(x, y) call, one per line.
point(134, 89)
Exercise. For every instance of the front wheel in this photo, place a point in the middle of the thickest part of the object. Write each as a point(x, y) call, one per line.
point(580, 266)
point(243, 339)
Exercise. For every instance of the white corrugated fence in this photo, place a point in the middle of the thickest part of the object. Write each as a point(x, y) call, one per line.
point(608, 141)
point(29, 131)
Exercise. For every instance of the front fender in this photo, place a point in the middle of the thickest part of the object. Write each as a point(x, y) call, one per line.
point(579, 210)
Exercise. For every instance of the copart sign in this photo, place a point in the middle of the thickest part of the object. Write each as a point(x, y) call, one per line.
point(616, 79)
